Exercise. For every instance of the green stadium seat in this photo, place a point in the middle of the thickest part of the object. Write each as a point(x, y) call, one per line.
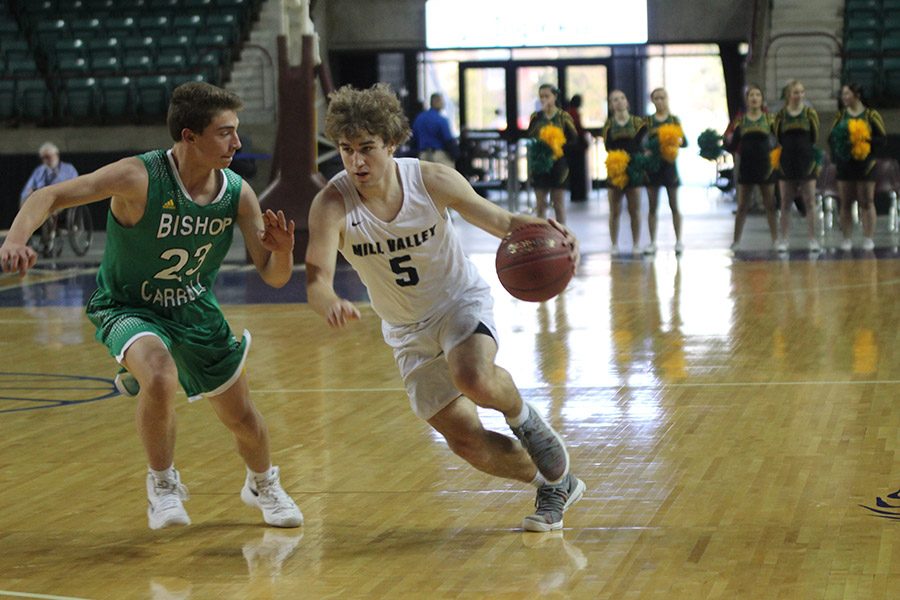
point(163, 5)
point(14, 45)
point(891, 68)
point(142, 45)
point(199, 4)
point(49, 31)
point(97, 5)
point(86, 29)
point(182, 78)
point(863, 46)
point(210, 63)
point(8, 28)
point(890, 42)
point(134, 64)
point(104, 65)
point(105, 47)
point(153, 94)
point(120, 27)
point(855, 5)
point(180, 44)
point(155, 26)
point(34, 99)
point(192, 24)
point(224, 24)
point(865, 72)
point(80, 98)
point(69, 66)
point(18, 66)
point(116, 93)
point(7, 99)
point(171, 60)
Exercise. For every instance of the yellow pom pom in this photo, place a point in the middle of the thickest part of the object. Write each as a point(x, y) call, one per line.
point(554, 137)
point(860, 138)
point(671, 136)
point(775, 157)
point(617, 168)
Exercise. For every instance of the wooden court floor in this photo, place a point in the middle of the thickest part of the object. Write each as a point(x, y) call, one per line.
point(737, 425)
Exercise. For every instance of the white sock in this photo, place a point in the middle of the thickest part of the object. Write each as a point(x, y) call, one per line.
point(165, 474)
point(257, 477)
point(538, 480)
point(520, 418)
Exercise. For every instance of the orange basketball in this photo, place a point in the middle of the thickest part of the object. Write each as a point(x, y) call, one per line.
point(534, 262)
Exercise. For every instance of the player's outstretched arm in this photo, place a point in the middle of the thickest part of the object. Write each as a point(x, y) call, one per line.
point(326, 225)
point(269, 238)
point(125, 181)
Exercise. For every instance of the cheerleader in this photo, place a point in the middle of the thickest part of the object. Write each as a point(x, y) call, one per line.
point(854, 131)
point(752, 140)
point(797, 129)
point(666, 175)
point(624, 132)
point(554, 129)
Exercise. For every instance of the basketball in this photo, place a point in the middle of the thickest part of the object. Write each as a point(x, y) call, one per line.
point(534, 262)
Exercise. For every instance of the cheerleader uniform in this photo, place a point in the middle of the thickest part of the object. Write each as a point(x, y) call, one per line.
point(627, 137)
point(556, 178)
point(752, 139)
point(667, 175)
point(797, 135)
point(848, 168)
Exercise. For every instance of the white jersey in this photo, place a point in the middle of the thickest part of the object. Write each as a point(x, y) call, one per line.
point(413, 266)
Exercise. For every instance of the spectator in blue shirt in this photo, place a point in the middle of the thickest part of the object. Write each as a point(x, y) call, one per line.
point(431, 135)
point(50, 171)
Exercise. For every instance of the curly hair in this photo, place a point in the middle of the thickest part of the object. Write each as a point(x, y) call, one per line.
point(194, 105)
point(377, 111)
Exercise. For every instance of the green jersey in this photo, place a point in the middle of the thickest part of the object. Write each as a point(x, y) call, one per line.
point(170, 258)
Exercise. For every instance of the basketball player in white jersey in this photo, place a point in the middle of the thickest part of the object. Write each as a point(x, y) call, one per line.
point(389, 218)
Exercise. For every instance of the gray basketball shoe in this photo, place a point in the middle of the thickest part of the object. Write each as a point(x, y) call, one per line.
point(544, 445)
point(551, 502)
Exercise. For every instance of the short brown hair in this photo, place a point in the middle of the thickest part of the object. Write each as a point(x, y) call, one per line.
point(352, 112)
point(194, 105)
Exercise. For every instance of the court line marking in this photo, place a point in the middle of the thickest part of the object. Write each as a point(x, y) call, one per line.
point(41, 596)
point(604, 387)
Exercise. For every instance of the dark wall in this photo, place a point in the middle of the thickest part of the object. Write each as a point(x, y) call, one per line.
point(16, 169)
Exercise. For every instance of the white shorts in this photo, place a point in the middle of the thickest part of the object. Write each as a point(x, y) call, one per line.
point(421, 351)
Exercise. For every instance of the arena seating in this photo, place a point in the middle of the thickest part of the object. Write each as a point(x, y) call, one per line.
point(872, 48)
point(101, 61)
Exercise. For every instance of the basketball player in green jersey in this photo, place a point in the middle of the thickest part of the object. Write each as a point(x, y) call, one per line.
point(169, 228)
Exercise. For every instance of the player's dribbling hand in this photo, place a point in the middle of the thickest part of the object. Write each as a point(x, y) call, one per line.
point(570, 238)
point(278, 235)
point(341, 313)
point(16, 257)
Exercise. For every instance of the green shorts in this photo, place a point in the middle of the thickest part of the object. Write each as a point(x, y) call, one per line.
point(208, 356)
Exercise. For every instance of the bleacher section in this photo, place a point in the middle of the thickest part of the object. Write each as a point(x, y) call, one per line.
point(103, 61)
point(872, 48)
